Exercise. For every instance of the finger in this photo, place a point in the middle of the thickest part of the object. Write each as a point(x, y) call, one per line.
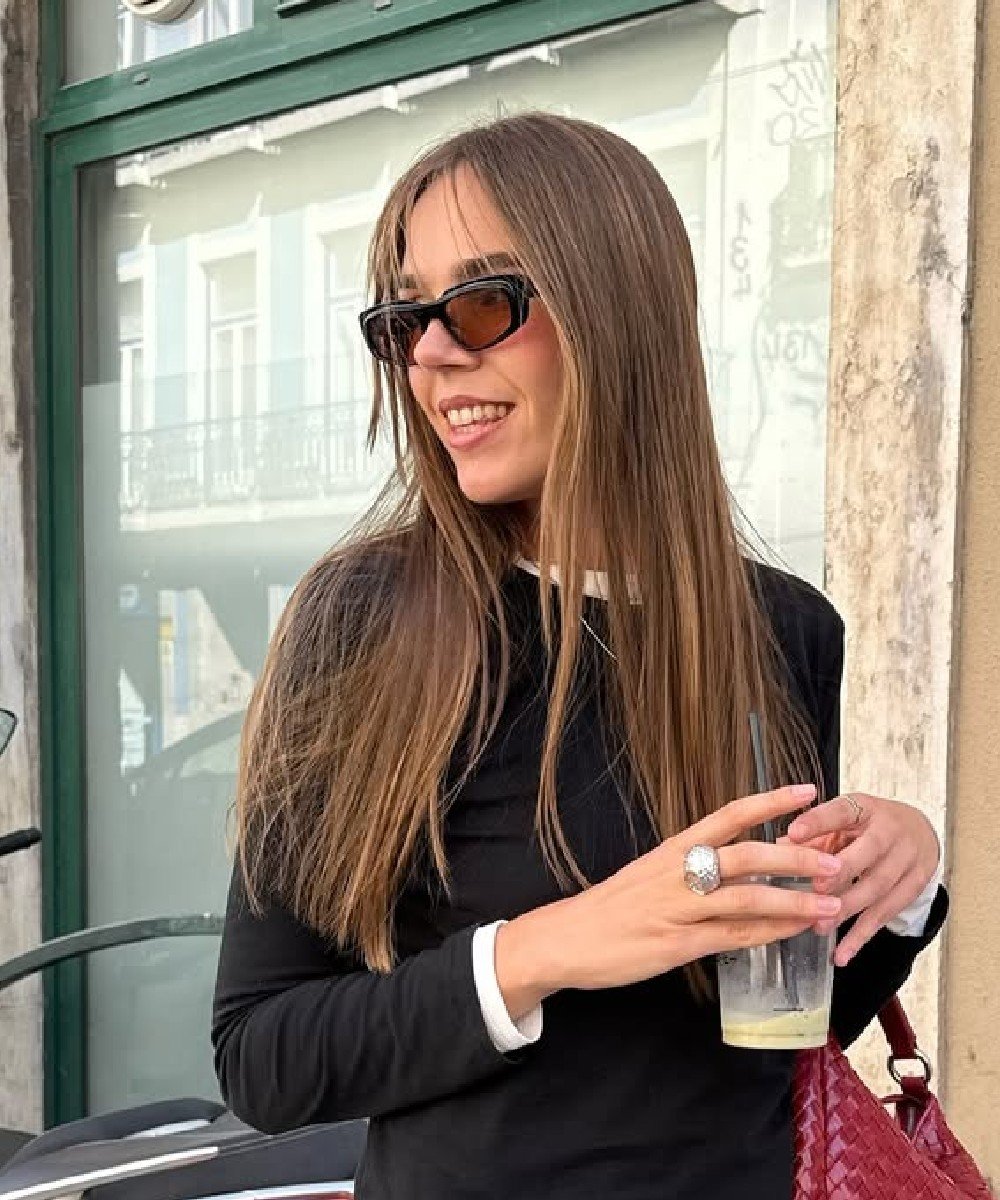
point(751, 901)
point(871, 889)
point(833, 885)
point(713, 937)
point(783, 861)
point(834, 843)
point(739, 816)
point(869, 923)
point(829, 843)
point(870, 850)
point(832, 816)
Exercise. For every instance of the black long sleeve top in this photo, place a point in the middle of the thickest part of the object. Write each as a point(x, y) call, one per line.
point(630, 1092)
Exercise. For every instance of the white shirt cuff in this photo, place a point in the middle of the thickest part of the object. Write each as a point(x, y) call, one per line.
point(505, 1034)
point(912, 920)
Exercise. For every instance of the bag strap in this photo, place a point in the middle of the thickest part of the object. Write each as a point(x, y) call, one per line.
point(897, 1029)
point(903, 1047)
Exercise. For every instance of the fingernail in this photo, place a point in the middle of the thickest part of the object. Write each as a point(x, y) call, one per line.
point(804, 791)
point(830, 862)
point(828, 904)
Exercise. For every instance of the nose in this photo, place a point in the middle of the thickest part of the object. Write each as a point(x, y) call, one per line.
point(437, 348)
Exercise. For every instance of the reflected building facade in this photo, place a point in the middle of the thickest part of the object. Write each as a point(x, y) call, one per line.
point(226, 395)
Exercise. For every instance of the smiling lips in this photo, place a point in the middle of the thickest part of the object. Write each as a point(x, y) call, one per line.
point(476, 414)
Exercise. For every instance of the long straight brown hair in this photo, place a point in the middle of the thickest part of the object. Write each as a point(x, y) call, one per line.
point(383, 653)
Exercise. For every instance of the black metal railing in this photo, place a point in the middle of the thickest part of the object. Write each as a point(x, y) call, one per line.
point(284, 454)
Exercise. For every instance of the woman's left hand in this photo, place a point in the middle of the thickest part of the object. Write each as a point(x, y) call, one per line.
point(889, 851)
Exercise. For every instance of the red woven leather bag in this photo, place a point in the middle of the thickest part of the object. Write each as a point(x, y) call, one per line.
point(849, 1147)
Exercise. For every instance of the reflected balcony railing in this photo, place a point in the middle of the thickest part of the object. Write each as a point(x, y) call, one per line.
point(286, 454)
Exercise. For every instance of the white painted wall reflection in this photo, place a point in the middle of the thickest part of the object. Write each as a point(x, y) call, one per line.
point(227, 393)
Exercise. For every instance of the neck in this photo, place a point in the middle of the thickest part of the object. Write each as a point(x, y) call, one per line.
point(593, 556)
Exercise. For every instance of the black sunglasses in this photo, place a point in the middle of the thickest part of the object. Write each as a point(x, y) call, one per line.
point(477, 314)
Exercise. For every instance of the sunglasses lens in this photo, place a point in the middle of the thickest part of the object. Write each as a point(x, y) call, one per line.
point(391, 336)
point(481, 316)
point(476, 318)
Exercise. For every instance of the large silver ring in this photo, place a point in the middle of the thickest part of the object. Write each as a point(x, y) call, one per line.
point(859, 812)
point(702, 873)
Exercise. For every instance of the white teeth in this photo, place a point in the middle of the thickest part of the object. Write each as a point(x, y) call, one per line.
point(458, 417)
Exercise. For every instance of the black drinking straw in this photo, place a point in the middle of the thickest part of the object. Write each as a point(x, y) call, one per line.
point(763, 774)
point(770, 835)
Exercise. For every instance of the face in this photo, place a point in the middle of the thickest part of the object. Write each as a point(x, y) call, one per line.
point(512, 388)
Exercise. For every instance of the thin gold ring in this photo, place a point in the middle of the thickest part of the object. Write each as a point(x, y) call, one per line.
point(859, 812)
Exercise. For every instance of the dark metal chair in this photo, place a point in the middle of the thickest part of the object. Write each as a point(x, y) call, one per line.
point(17, 1146)
point(245, 1159)
point(241, 1158)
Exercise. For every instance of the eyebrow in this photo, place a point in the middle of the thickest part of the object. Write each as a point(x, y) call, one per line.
point(469, 268)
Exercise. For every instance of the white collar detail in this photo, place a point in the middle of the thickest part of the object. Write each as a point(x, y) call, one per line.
point(595, 583)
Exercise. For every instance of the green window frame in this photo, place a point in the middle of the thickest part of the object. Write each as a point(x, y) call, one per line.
point(298, 52)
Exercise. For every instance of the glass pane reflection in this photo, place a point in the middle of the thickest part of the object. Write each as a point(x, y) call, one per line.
point(102, 36)
point(226, 397)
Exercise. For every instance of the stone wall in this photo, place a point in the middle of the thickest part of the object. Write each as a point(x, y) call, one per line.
point(20, 902)
point(900, 306)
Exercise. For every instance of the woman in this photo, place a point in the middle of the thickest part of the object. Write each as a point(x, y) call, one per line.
point(466, 795)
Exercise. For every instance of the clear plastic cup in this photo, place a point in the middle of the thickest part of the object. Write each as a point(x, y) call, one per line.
point(777, 997)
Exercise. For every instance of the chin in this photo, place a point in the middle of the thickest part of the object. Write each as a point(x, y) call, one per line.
point(488, 497)
point(497, 488)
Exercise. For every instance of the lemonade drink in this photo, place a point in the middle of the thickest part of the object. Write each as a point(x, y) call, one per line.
point(799, 1030)
point(777, 997)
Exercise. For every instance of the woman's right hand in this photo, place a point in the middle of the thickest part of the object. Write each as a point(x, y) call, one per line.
point(644, 920)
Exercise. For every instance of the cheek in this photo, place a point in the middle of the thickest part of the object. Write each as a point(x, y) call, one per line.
point(539, 365)
point(421, 387)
